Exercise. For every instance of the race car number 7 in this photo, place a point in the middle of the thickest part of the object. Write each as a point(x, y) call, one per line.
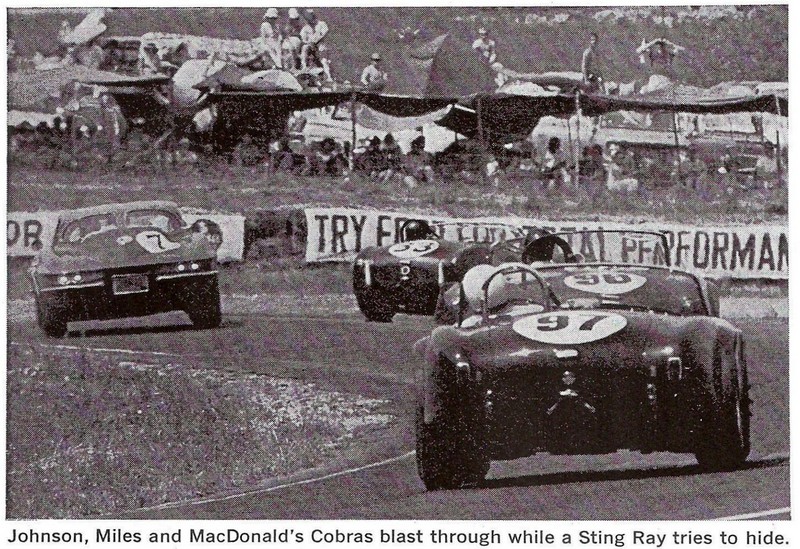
point(570, 327)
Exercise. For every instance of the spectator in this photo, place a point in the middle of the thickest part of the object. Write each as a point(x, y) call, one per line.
point(766, 169)
point(367, 158)
point(328, 159)
point(113, 124)
point(311, 36)
point(689, 171)
point(485, 46)
point(390, 159)
point(373, 78)
point(417, 163)
point(591, 164)
point(554, 164)
point(149, 62)
point(590, 74)
point(292, 43)
point(619, 170)
point(65, 32)
point(295, 126)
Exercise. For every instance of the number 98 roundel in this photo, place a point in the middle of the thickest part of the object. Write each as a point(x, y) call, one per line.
point(415, 248)
point(570, 327)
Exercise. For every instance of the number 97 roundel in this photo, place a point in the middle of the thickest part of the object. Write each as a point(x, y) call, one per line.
point(570, 327)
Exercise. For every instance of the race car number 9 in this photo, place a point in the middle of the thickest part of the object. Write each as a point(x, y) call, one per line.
point(570, 327)
point(415, 248)
point(605, 282)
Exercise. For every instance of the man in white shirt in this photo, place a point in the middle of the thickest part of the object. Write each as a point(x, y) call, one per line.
point(485, 46)
point(372, 76)
point(311, 36)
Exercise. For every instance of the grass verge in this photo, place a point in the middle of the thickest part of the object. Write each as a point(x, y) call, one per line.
point(89, 435)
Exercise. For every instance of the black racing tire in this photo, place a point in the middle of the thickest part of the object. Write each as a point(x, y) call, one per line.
point(202, 304)
point(724, 441)
point(450, 452)
point(52, 319)
point(373, 303)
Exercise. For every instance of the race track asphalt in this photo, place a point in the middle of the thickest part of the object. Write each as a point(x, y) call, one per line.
point(347, 354)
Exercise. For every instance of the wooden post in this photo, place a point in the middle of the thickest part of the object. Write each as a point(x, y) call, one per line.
point(576, 157)
point(677, 141)
point(778, 159)
point(353, 145)
point(481, 137)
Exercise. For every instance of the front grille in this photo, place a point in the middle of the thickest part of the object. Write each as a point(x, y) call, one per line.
point(394, 275)
point(130, 284)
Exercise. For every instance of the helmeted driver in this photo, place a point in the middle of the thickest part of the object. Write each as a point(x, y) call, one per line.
point(416, 230)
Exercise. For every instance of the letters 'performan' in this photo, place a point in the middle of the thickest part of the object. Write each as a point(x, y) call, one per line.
point(605, 281)
point(415, 248)
point(570, 327)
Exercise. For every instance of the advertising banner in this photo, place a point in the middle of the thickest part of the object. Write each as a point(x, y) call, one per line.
point(736, 251)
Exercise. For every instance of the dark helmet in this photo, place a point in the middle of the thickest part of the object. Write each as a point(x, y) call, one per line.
point(416, 230)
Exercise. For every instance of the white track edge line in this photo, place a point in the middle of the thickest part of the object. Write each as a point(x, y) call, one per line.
point(279, 486)
point(759, 514)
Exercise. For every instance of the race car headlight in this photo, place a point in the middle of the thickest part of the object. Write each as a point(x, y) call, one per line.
point(63, 280)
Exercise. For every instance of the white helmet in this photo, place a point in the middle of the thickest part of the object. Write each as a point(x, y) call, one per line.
point(271, 13)
point(293, 13)
point(473, 284)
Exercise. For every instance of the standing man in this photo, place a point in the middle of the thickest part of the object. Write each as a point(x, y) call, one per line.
point(372, 76)
point(590, 76)
point(485, 46)
point(311, 36)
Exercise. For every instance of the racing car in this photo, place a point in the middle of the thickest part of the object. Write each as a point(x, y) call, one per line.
point(406, 276)
point(580, 357)
point(129, 259)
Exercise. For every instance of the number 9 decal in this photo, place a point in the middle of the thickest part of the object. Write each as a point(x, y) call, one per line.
point(605, 282)
point(570, 327)
point(415, 248)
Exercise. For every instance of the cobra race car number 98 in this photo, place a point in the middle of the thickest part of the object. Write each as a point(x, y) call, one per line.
point(415, 248)
point(605, 282)
point(570, 327)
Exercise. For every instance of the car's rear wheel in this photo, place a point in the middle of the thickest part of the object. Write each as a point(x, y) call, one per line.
point(724, 441)
point(52, 319)
point(202, 304)
point(450, 452)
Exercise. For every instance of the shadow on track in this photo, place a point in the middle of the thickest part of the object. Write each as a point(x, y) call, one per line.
point(76, 334)
point(571, 477)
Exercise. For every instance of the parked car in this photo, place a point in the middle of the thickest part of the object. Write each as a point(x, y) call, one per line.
point(130, 259)
point(580, 357)
point(406, 276)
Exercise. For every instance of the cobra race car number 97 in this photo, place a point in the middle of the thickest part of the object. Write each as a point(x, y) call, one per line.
point(570, 327)
point(416, 248)
point(605, 282)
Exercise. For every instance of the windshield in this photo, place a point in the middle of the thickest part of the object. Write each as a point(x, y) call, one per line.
point(160, 219)
point(78, 230)
point(625, 287)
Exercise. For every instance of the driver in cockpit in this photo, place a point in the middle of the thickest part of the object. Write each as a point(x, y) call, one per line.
point(504, 296)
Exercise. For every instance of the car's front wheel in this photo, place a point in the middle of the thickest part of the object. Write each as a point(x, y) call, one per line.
point(373, 303)
point(724, 443)
point(450, 452)
point(202, 304)
point(52, 318)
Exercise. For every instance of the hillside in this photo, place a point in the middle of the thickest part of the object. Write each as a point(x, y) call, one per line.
point(743, 43)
